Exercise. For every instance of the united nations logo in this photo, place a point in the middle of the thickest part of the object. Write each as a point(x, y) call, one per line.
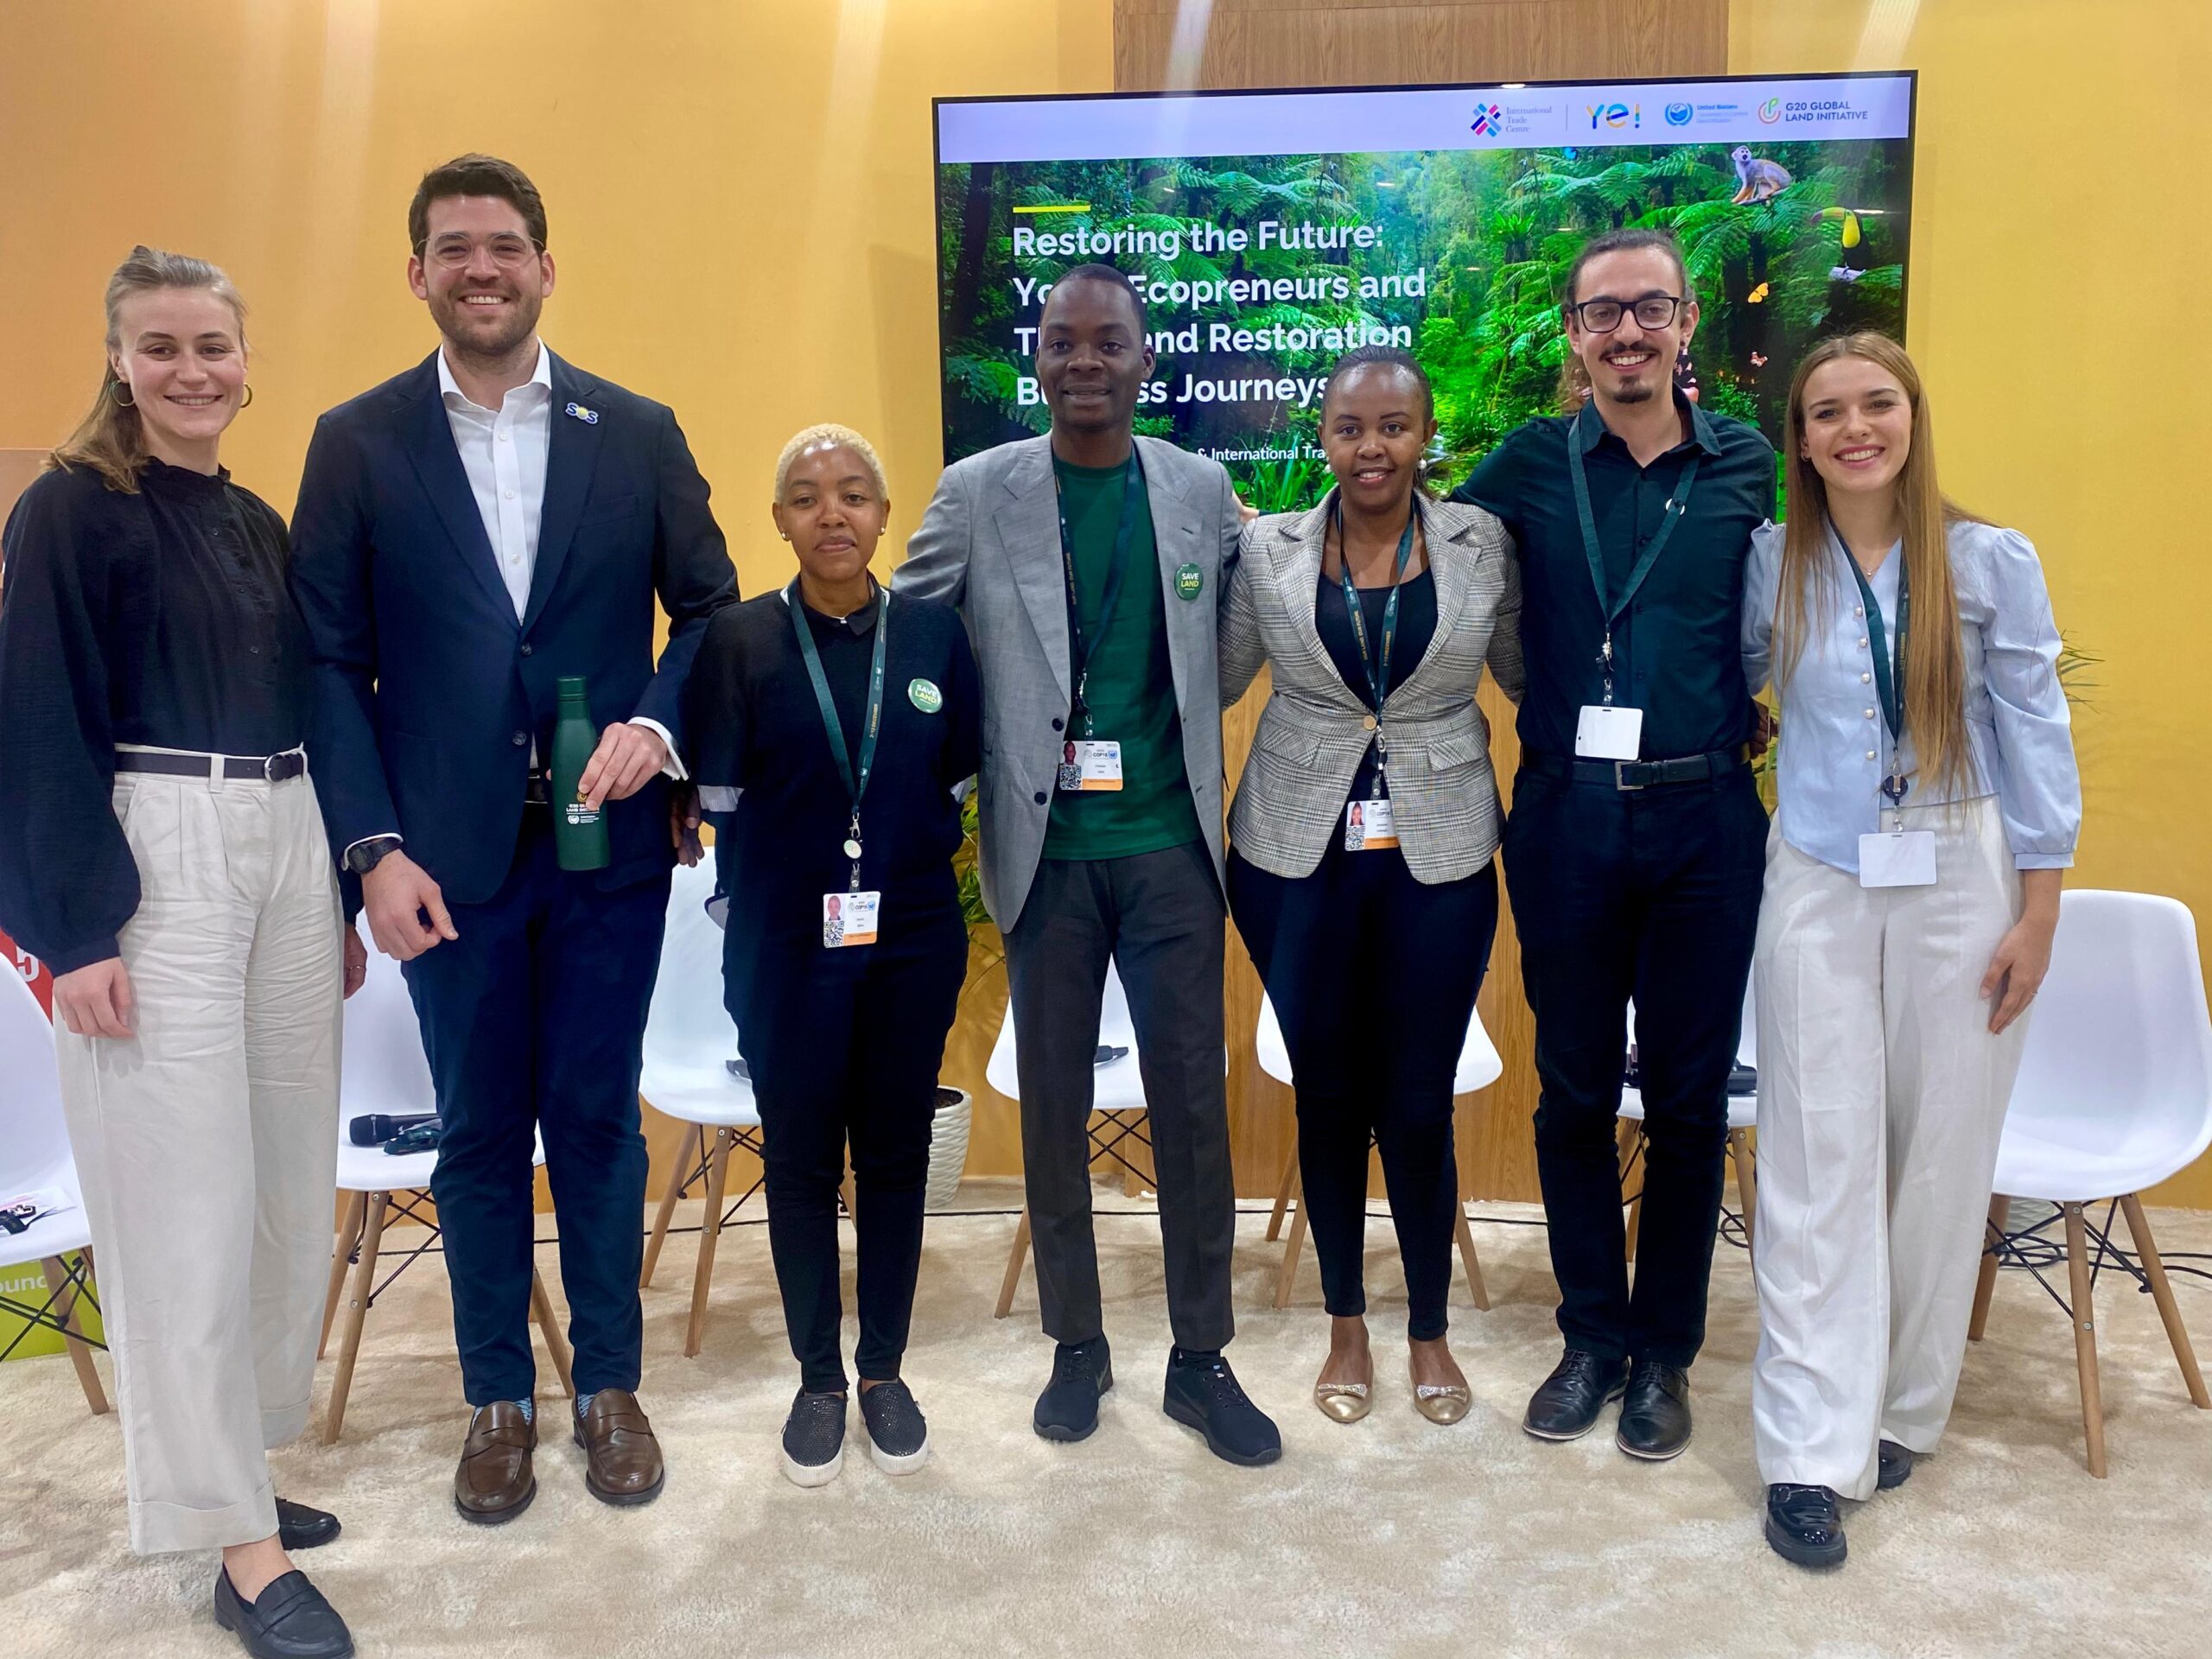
point(1678, 115)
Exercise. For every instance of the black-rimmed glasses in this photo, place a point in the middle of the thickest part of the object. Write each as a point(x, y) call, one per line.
point(1652, 311)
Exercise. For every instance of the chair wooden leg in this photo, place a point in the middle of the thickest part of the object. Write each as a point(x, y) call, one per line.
point(1287, 1275)
point(341, 1256)
point(2000, 1214)
point(1283, 1190)
point(2161, 1292)
point(1015, 1258)
point(2085, 1338)
point(1747, 1186)
point(669, 1196)
point(65, 1301)
point(556, 1343)
point(849, 1196)
point(709, 1236)
point(1629, 1138)
point(1468, 1259)
point(357, 1309)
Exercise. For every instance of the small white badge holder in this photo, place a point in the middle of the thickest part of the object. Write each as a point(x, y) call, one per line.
point(1369, 827)
point(1097, 765)
point(853, 919)
point(1608, 731)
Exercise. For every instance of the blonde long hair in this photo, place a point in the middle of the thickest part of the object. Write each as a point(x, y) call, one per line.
point(110, 439)
point(1935, 666)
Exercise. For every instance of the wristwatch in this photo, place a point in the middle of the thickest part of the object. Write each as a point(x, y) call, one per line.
point(365, 855)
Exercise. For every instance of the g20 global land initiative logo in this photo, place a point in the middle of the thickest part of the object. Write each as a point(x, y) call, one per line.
point(1771, 112)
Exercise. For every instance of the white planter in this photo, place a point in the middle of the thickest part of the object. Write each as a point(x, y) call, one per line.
point(948, 1146)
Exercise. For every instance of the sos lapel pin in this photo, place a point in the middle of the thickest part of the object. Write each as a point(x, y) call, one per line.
point(1189, 579)
point(578, 412)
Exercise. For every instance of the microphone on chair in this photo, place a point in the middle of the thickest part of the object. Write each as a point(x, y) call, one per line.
point(374, 1128)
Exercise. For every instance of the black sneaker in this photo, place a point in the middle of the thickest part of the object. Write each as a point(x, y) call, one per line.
point(1567, 1404)
point(288, 1620)
point(1081, 1373)
point(300, 1528)
point(1804, 1524)
point(898, 1438)
point(814, 1439)
point(1893, 1465)
point(1656, 1413)
point(1203, 1394)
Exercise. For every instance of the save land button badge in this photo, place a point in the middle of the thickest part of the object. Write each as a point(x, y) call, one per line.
point(925, 696)
point(1189, 579)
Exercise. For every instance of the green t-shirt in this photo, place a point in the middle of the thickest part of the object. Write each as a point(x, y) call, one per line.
point(1131, 690)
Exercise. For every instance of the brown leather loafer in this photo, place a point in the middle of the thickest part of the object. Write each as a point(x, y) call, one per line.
point(494, 1481)
point(621, 1457)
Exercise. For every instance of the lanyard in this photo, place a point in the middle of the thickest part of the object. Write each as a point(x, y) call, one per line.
point(1889, 673)
point(1125, 528)
point(855, 784)
point(1376, 662)
point(1677, 504)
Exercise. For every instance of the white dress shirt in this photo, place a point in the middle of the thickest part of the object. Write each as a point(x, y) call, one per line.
point(1834, 743)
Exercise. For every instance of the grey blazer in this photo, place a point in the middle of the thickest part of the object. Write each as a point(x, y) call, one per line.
point(1313, 733)
point(990, 544)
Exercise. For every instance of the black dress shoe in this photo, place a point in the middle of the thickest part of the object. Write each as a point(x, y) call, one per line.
point(1082, 1372)
point(1804, 1526)
point(1203, 1393)
point(1894, 1465)
point(299, 1526)
point(1566, 1406)
point(1655, 1414)
point(288, 1620)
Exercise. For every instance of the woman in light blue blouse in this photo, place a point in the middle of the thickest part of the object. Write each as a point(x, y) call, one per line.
point(1928, 804)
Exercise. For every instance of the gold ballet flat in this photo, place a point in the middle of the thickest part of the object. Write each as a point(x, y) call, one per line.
point(1342, 1403)
point(1443, 1403)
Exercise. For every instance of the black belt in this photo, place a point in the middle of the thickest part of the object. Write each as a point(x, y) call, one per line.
point(268, 768)
point(536, 790)
point(1636, 774)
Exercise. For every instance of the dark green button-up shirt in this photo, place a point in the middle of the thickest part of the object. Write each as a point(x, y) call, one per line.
point(1677, 649)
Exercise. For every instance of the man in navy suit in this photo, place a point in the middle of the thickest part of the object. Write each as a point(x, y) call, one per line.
point(468, 533)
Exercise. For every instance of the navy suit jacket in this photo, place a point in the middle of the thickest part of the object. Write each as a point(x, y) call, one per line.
point(429, 690)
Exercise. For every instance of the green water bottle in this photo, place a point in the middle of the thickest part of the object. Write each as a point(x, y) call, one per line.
point(579, 830)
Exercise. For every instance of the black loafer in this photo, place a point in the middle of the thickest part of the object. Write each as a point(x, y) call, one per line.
point(300, 1528)
point(1804, 1525)
point(1204, 1394)
point(288, 1620)
point(1656, 1413)
point(1894, 1465)
point(1081, 1373)
point(1566, 1406)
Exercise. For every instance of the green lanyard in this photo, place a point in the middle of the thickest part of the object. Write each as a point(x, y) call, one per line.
point(1125, 529)
point(1677, 504)
point(855, 783)
point(1378, 664)
point(1889, 672)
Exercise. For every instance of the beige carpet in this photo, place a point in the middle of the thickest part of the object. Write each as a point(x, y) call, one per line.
point(1389, 1538)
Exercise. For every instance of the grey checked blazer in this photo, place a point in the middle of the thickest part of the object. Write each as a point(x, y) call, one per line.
point(990, 544)
point(1314, 733)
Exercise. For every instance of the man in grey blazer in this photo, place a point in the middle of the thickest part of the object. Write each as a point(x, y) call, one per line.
point(1089, 565)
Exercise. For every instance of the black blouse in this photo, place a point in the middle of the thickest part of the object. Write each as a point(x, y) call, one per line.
point(158, 618)
point(1416, 628)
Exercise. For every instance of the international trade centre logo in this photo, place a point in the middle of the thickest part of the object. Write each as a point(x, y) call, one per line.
point(1678, 115)
point(1489, 120)
point(1771, 112)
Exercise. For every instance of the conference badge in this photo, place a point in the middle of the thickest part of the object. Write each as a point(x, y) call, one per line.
point(924, 695)
point(1189, 579)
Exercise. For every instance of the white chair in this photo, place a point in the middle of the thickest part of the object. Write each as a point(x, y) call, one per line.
point(35, 1157)
point(1117, 1106)
point(2114, 1095)
point(1743, 1118)
point(1479, 1066)
point(689, 1041)
point(385, 1070)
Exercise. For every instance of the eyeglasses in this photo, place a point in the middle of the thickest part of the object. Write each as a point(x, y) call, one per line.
point(1652, 311)
point(457, 252)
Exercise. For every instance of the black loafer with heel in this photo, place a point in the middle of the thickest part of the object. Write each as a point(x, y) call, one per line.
point(288, 1620)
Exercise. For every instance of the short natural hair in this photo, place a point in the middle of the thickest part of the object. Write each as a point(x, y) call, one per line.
point(829, 435)
point(1628, 241)
point(476, 176)
point(110, 439)
point(1113, 277)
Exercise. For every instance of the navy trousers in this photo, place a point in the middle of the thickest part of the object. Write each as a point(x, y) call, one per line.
point(534, 1017)
point(1652, 895)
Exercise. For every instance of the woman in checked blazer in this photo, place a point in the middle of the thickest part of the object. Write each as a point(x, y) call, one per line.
point(1361, 836)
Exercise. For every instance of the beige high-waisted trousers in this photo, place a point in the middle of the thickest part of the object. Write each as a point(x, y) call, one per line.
point(208, 1145)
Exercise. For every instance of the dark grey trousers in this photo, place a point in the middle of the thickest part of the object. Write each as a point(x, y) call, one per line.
point(1160, 918)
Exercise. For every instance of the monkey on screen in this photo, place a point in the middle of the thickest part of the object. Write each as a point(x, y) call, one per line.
point(1757, 180)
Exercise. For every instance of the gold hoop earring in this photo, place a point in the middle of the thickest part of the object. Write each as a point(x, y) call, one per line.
point(119, 392)
point(246, 402)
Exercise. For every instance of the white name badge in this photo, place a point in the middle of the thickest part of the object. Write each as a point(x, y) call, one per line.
point(849, 918)
point(1606, 732)
point(1897, 858)
point(1369, 827)
point(1093, 764)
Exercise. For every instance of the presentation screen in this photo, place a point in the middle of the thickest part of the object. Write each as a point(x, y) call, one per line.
point(1268, 233)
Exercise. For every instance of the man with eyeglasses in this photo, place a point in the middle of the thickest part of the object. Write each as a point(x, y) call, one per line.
point(468, 534)
point(1635, 847)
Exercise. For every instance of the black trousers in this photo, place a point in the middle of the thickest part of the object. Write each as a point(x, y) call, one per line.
point(534, 1017)
point(1652, 895)
point(1373, 977)
point(859, 1069)
point(1158, 917)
